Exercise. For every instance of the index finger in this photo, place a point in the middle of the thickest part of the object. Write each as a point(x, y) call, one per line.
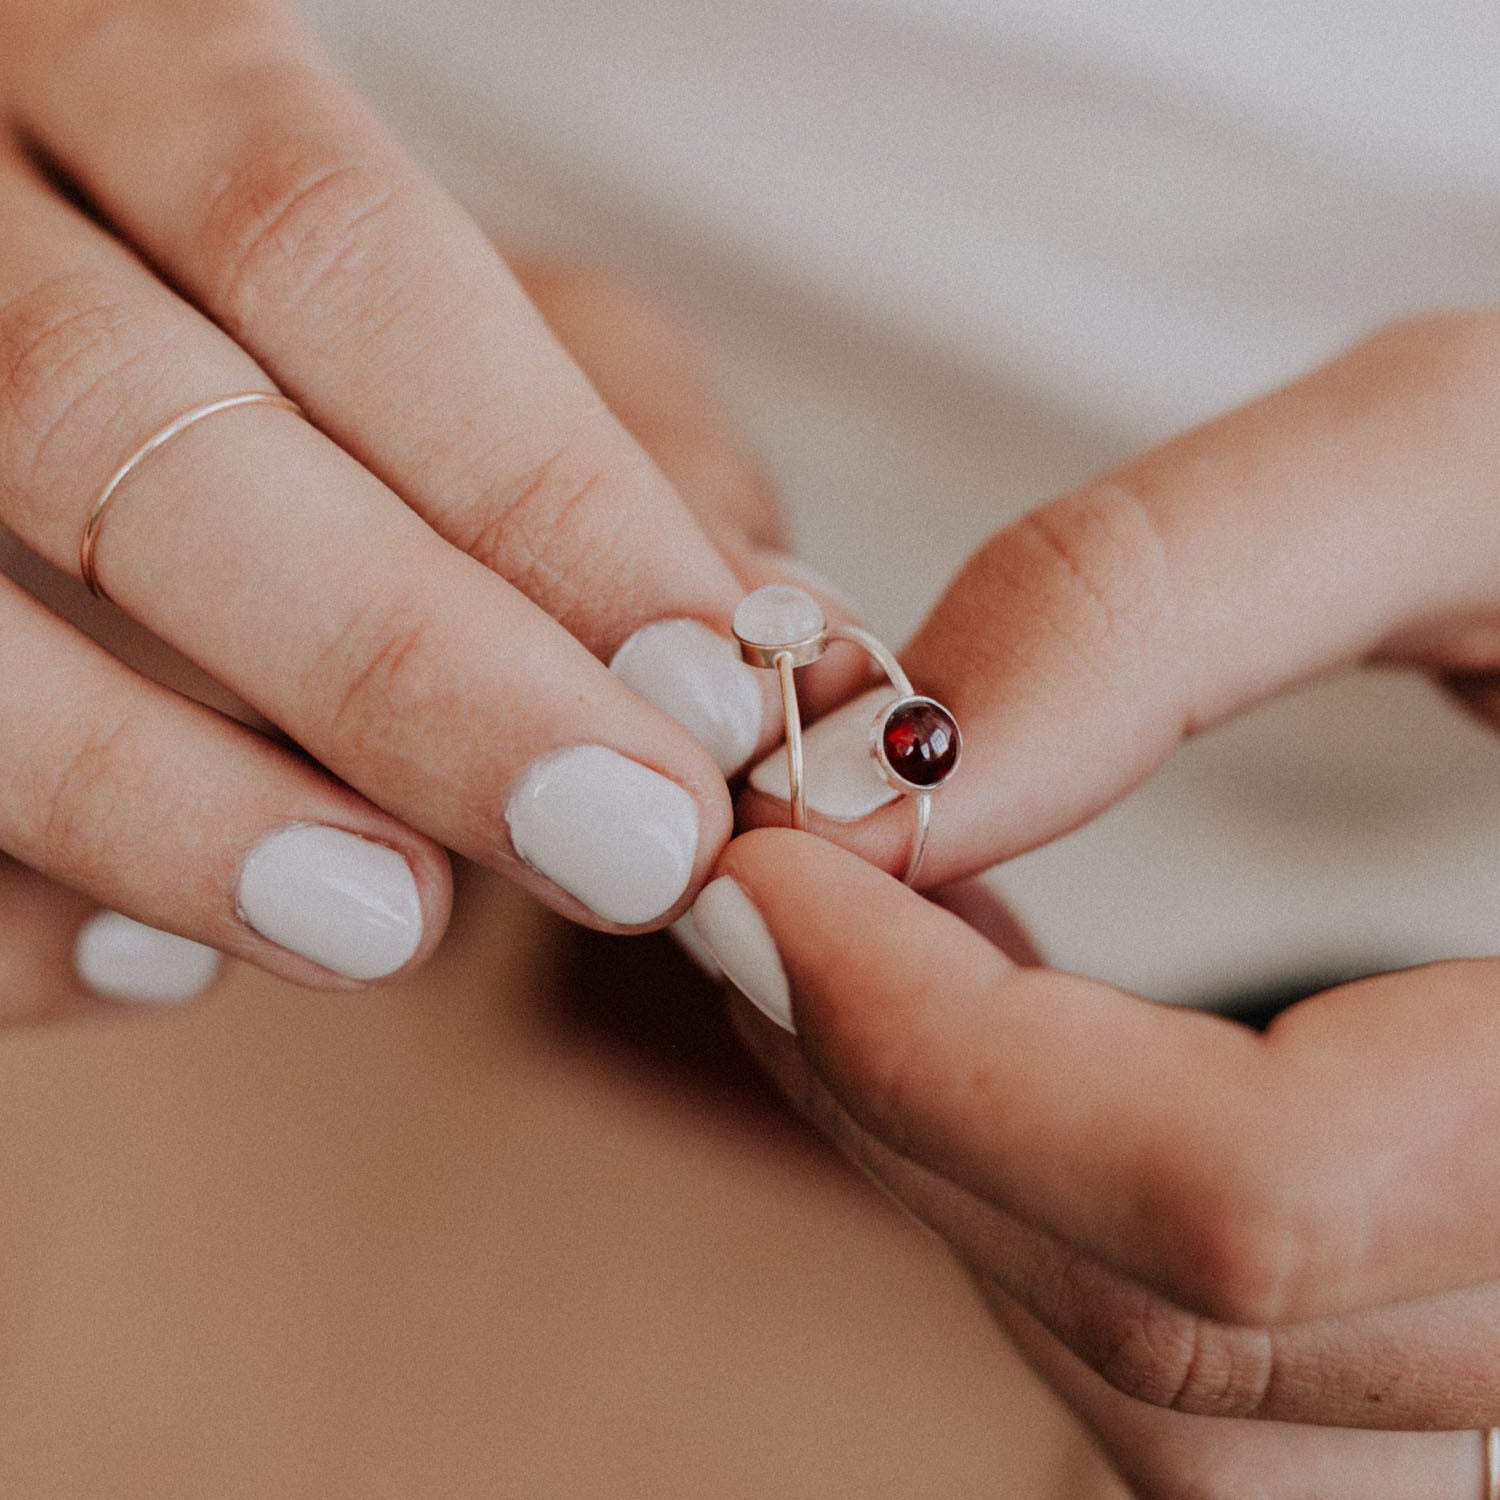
point(1343, 1159)
point(219, 142)
point(1347, 516)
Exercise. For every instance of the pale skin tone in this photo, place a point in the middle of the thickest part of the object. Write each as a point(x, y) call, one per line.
point(1296, 1227)
point(1188, 1225)
point(462, 531)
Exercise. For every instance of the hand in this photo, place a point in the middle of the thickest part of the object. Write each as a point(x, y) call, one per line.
point(416, 585)
point(1305, 1225)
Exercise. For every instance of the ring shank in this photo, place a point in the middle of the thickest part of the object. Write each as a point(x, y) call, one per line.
point(89, 541)
point(796, 781)
point(785, 661)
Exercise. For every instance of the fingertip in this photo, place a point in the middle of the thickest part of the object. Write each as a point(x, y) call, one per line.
point(117, 958)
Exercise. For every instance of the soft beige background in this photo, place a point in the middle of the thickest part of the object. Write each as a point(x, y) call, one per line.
point(959, 254)
point(524, 1227)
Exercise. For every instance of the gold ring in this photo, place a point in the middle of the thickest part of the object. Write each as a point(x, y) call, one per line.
point(914, 740)
point(90, 539)
point(1491, 1438)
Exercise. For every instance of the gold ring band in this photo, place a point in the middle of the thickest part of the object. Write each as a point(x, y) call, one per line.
point(1491, 1439)
point(914, 740)
point(88, 544)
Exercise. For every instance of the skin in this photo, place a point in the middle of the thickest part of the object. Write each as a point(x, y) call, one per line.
point(525, 1223)
point(654, 371)
point(461, 531)
point(1223, 1246)
point(1190, 1226)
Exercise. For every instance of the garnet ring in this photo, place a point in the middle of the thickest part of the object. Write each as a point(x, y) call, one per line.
point(914, 740)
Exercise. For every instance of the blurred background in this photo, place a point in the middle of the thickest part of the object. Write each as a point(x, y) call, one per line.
point(957, 255)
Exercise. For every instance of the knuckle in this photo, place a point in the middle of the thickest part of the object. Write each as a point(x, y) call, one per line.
point(383, 664)
point(1095, 563)
point(292, 221)
point(64, 345)
point(82, 793)
point(1166, 1356)
point(561, 535)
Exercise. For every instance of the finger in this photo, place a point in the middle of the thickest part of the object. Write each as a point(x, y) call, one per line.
point(655, 373)
point(289, 574)
point(1250, 1178)
point(122, 637)
point(1316, 528)
point(657, 379)
point(61, 958)
point(165, 812)
point(1412, 1365)
point(38, 922)
point(218, 141)
point(1169, 1455)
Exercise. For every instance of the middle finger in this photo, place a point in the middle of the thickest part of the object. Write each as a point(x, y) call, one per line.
point(275, 561)
point(220, 141)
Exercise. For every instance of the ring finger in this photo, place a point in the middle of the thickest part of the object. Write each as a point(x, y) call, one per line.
point(289, 573)
point(167, 812)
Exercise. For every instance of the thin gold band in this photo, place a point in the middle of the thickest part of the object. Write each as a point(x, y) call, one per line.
point(90, 539)
point(781, 628)
point(792, 715)
point(1491, 1437)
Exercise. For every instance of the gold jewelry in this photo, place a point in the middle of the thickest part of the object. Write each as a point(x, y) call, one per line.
point(1491, 1438)
point(90, 539)
point(914, 740)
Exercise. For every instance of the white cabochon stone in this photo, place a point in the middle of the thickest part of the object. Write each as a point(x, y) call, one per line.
point(777, 615)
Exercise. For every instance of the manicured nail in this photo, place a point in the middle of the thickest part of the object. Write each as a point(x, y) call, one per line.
point(342, 901)
point(124, 959)
point(809, 577)
point(729, 926)
point(696, 676)
point(842, 779)
point(685, 935)
point(618, 836)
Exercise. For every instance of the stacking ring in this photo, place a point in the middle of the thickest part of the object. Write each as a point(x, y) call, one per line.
point(1491, 1480)
point(90, 539)
point(914, 740)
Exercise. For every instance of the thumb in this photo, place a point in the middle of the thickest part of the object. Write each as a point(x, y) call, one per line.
point(1348, 516)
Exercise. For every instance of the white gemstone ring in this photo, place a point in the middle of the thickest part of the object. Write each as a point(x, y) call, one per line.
point(914, 740)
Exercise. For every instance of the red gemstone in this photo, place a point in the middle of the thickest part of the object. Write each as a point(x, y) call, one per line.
point(919, 741)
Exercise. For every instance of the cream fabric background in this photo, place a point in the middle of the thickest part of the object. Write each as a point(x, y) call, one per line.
point(958, 254)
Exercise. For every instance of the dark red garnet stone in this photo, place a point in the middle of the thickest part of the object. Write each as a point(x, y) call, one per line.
point(920, 742)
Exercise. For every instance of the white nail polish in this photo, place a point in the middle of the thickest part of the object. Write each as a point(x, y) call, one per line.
point(809, 577)
point(842, 779)
point(342, 901)
point(115, 955)
point(776, 613)
point(696, 676)
point(730, 927)
point(620, 837)
point(685, 935)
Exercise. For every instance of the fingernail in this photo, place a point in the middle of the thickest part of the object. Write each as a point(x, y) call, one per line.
point(685, 935)
point(618, 836)
point(342, 901)
point(729, 926)
point(809, 577)
point(115, 955)
point(841, 777)
point(696, 676)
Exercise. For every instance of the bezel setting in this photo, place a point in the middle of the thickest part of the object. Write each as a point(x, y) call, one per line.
point(879, 730)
